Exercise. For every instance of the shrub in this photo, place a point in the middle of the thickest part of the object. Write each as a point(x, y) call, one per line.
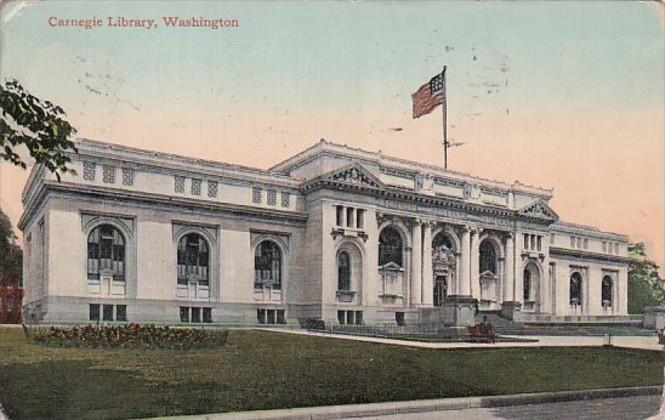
point(132, 336)
point(312, 324)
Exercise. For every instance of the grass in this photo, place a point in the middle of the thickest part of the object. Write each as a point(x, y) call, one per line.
point(266, 370)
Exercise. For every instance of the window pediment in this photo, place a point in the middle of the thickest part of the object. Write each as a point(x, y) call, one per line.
point(391, 266)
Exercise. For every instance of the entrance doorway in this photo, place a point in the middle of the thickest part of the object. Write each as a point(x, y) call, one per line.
point(440, 290)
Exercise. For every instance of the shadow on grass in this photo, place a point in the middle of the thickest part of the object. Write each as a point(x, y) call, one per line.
point(73, 389)
point(66, 389)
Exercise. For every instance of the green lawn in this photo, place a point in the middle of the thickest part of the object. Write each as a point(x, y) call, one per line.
point(264, 370)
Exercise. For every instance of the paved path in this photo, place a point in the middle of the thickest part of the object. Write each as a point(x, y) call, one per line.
point(637, 342)
point(639, 407)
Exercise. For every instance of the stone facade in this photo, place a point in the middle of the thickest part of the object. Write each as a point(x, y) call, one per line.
point(332, 233)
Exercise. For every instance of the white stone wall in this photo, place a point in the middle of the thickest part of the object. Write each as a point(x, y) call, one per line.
point(593, 273)
point(67, 254)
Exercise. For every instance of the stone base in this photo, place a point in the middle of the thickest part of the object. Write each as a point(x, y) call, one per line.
point(459, 310)
point(654, 317)
point(511, 310)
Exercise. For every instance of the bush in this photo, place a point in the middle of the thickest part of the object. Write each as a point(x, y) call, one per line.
point(131, 336)
point(312, 324)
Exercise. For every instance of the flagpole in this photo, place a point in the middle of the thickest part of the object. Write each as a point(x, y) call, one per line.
point(444, 109)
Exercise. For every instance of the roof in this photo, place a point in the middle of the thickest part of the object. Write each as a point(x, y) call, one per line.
point(325, 146)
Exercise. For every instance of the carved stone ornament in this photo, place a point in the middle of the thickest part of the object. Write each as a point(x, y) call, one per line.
point(355, 176)
point(443, 257)
point(539, 210)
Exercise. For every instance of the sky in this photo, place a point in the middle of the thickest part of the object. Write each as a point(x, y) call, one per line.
point(563, 95)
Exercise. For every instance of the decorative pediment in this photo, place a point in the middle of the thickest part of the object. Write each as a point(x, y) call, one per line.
point(391, 266)
point(488, 276)
point(539, 210)
point(355, 174)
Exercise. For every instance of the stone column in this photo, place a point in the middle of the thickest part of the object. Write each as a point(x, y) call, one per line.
point(464, 280)
point(459, 309)
point(511, 305)
point(428, 281)
point(416, 263)
point(475, 263)
point(509, 276)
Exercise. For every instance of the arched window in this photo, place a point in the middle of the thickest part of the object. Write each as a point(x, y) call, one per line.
point(193, 259)
point(527, 285)
point(487, 257)
point(576, 289)
point(390, 247)
point(442, 240)
point(606, 291)
point(268, 266)
point(343, 271)
point(106, 253)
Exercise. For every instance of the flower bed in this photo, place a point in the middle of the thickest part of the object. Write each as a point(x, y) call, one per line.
point(131, 336)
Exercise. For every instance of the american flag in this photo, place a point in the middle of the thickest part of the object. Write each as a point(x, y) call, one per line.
point(429, 96)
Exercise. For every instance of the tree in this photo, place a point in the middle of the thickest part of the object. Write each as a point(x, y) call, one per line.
point(11, 257)
point(37, 124)
point(645, 286)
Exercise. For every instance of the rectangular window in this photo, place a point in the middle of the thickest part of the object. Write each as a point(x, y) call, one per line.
point(586, 243)
point(533, 242)
point(261, 316)
point(108, 174)
point(399, 318)
point(280, 317)
point(526, 241)
point(256, 195)
point(272, 197)
point(572, 242)
point(196, 315)
point(179, 184)
point(349, 317)
point(207, 315)
point(196, 186)
point(604, 246)
point(341, 317)
point(359, 317)
point(286, 198)
point(540, 243)
point(94, 312)
point(121, 313)
point(128, 176)
point(616, 248)
point(349, 217)
point(340, 215)
point(184, 314)
point(107, 312)
point(271, 316)
point(89, 171)
point(360, 216)
point(552, 238)
point(212, 189)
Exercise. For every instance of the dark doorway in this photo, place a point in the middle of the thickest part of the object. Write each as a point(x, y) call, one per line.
point(440, 290)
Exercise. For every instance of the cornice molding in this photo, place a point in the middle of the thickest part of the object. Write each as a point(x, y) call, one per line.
point(587, 255)
point(118, 194)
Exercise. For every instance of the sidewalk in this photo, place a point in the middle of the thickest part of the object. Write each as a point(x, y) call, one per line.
point(441, 406)
point(633, 342)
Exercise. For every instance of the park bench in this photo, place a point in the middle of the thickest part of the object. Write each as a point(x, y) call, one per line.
point(479, 334)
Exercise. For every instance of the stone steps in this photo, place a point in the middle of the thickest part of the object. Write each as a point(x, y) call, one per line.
point(507, 327)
